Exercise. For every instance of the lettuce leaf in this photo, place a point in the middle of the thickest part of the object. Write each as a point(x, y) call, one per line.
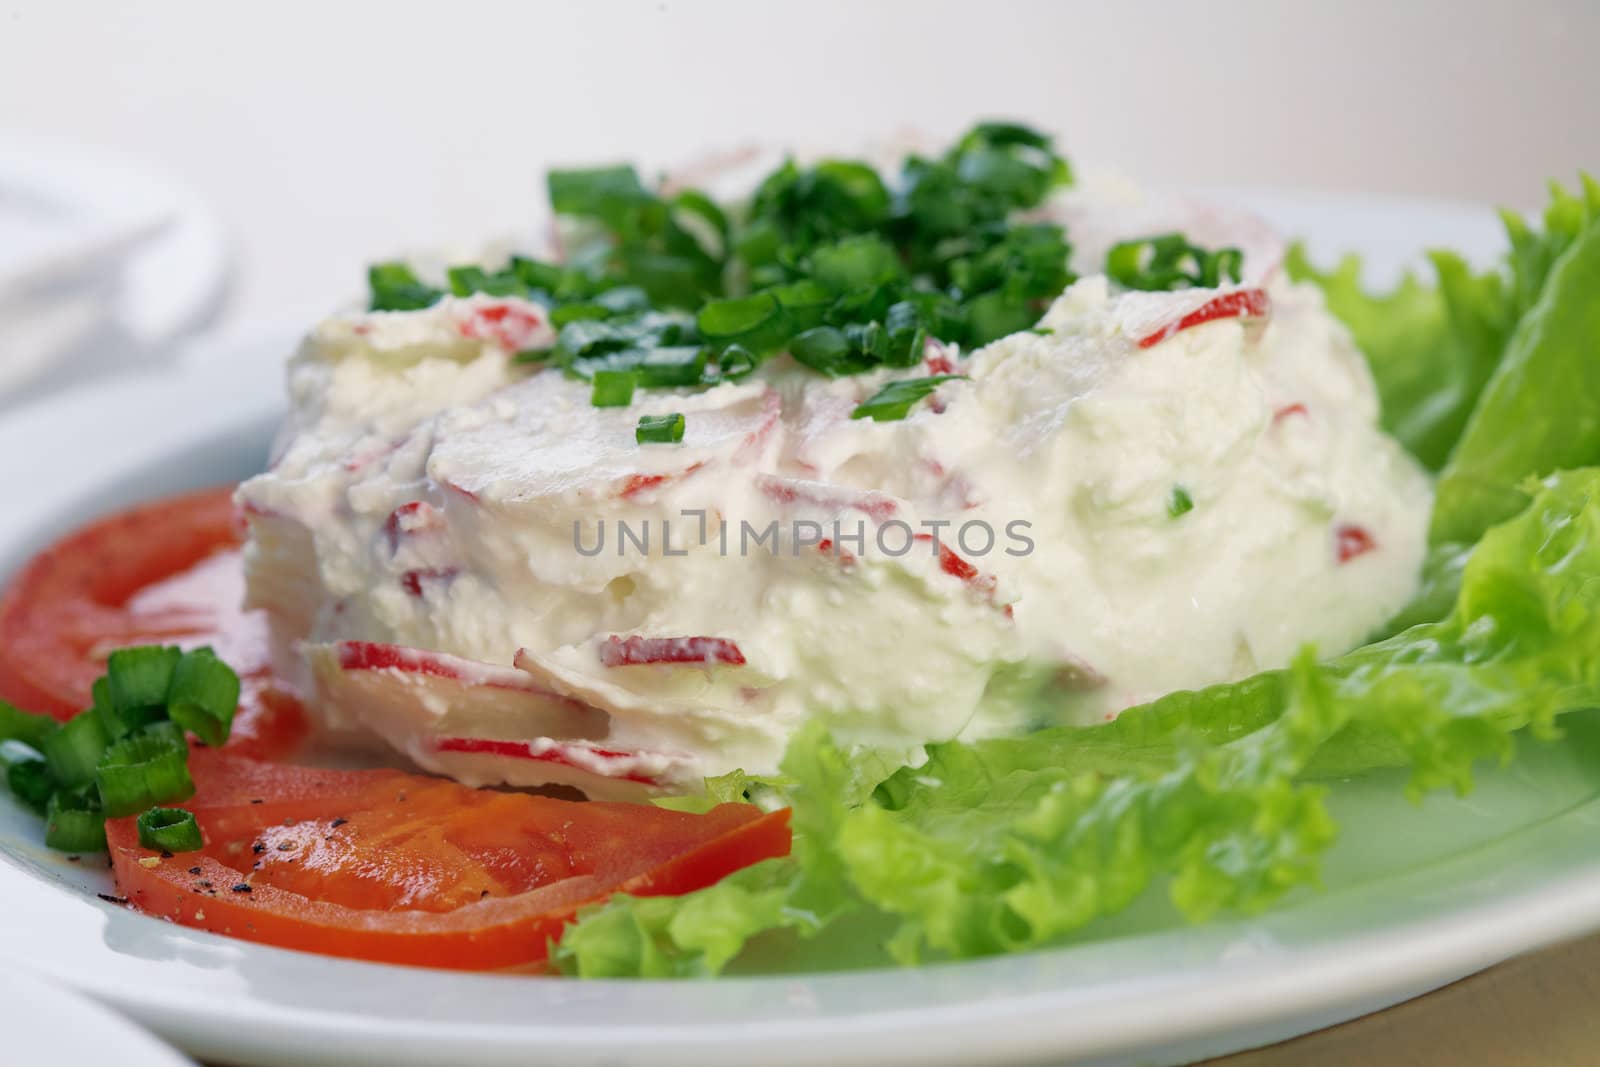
point(1541, 410)
point(1434, 349)
point(1006, 844)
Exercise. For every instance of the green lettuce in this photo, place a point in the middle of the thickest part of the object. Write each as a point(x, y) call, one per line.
point(1006, 844)
point(1541, 410)
point(1434, 349)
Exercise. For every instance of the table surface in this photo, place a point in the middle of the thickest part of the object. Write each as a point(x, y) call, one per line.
point(1534, 1011)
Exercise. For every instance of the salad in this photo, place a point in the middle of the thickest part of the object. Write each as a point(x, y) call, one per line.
point(957, 551)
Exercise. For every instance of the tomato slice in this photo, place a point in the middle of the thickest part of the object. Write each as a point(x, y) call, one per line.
point(400, 868)
point(165, 572)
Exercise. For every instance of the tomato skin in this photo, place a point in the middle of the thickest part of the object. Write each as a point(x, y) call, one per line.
point(599, 849)
point(81, 597)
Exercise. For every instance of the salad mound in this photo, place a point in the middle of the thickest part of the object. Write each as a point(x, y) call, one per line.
point(912, 460)
point(1493, 379)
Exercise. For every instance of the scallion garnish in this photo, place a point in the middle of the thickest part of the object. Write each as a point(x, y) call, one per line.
point(137, 683)
point(145, 768)
point(1168, 261)
point(74, 822)
point(1179, 502)
point(125, 754)
point(896, 399)
point(612, 389)
point(74, 751)
point(203, 696)
point(660, 429)
point(945, 251)
point(396, 288)
point(169, 830)
point(29, 778)
point(30, 729)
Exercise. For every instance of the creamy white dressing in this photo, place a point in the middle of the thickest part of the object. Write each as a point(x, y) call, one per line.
point(426, 492)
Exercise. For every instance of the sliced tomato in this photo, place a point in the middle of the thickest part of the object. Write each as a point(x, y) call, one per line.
point(166, 572)
point(400, 868)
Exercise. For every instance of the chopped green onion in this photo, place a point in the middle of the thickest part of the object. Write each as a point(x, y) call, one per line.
point(395, 288)
point(741, 317)
point(203, 696)
point(138, 681)
point(896, 399)
point(573, 312)
point(660, 429)
point(30, 779)
point(74, 821)
point(30, 729)
point(74, 751)
point(169, 830)
point(26, 774)
point(736, 362)
point(607, 193)
point(145, 768)
point(859, 262)
point(1180, 502)
point(1168, 261)
point(825, 349)
point(612, 389)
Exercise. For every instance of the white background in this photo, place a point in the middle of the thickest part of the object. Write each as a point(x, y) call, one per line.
point(327, 133)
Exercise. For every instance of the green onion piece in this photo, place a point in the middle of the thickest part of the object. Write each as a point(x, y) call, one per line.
point(73, 821)
point(825, 349)
point(896, 399)
point(736, 362)
point(203, 696)
point(612, 389)
point(1168, 261)
point(30, 729)
point(739, 317)
point(1180, 502)
point(26, 774)
point(74, 751)
point(573, 312)
point(138, 681)
point(396, 288)
point(663, 368)
point(660, 429)
point(169, 830)
point(145, 768)
point(859, 262)
point(30, 779)
point(606, 193)
point(1224, 262)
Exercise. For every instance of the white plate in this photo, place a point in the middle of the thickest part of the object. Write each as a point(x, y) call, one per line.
point(44, 1023)
point(1415, 896)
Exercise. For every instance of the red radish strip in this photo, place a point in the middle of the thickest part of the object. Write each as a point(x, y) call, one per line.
point(820, 494)
point(1241, 303)
point(1292, 409)
point(510, 326)
point(555, 753)
point(953, 565)
point(846, 558)
point(755, 440)
point(412, 518)
point(412, 581)
point(642, 483)
point(637, 651)
point(372, 656)
point(1353, 541)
